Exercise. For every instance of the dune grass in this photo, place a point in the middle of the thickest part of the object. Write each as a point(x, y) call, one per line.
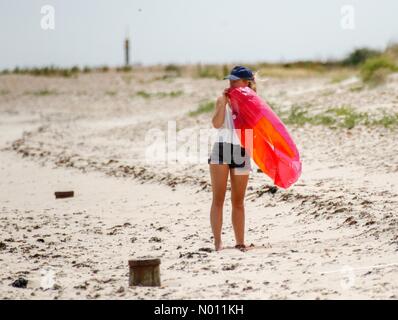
point(124, 69)
point(147, 95)
point(173, 70)
point(357, 87)
point(215, 71)
point(171, 94)
point(204, 107)
point(43, 92)
point(338, 117)
point(387, 120)
point(50, 71)
point(143, 94)
point(335, 117)
point(375, 70)
point(359, 56)
point(209, 71)
point(53, 71)
point(111, 93)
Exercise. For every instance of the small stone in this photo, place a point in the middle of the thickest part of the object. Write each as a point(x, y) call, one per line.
point(20, 283)
point(56, 287)
point(155, 239)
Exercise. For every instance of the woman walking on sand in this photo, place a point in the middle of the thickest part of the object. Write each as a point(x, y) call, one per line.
point(229, 158)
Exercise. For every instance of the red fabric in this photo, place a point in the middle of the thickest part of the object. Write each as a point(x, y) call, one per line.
point(265, 137)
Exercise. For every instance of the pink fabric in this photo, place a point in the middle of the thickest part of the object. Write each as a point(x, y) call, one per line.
point(279, 159)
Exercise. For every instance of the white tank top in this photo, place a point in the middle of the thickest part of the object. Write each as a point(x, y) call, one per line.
point(227, 132)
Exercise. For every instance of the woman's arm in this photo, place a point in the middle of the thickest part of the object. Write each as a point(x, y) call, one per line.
point(219, 113)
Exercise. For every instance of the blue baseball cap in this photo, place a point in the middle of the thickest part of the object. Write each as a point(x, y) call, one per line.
point(240, 72)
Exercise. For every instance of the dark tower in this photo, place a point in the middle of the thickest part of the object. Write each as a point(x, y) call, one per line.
point(126, 52)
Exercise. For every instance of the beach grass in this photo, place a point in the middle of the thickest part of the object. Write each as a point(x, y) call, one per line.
point(173, 70)
point(146, 95)
point(43, 92)
point(374, 71)
point(338, 117)
point(111, 93)
point(53, 71)
point(204, 107)
point(357, 88)
point(218, 71)
point(50, 71)
point(124, 69)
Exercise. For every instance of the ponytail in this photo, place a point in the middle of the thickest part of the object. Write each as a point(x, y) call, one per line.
point(252, 85)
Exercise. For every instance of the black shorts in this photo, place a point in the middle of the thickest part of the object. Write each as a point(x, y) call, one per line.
point(227, 153)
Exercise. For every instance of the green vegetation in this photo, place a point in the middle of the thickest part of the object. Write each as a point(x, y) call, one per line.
point(111, 93)
point(225, 70)
point(309, 65)
point(173, 93)
point(387, 120)
point(339, 75)
point(124, 69)
point(44, 92)
point(4, 92)
point(52, 71)
point(371, 65)
point(336, 117)
point(375, 70)
point(203, 107)
point(343, 117)
point(48, 71)
point(338, 78)
point(359, 56)
point(148, 95)
point(143, 94)
point(172, 70)
point(356, 88)
point(211, 71)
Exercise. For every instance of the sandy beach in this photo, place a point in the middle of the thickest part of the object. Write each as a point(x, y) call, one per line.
point(333, 235)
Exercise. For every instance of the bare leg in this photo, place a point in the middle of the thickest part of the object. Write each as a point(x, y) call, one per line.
point(238, 189)
point(219, 177)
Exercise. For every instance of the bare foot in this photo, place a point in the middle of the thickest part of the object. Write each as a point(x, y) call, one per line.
point(241, 247)
point(218, 246)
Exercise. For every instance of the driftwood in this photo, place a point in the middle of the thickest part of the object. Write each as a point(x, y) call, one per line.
point(144, 272)
point(63, 194)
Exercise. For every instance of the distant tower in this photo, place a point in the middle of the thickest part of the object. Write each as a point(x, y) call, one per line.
point(126, 52)
point(127, 49)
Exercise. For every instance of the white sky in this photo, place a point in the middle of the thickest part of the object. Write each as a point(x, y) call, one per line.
point(91, 32)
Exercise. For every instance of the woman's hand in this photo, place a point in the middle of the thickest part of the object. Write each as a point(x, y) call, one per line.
point(219, 113)
point(224, 97)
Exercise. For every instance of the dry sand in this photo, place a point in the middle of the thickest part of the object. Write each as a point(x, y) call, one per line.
point(333, 235)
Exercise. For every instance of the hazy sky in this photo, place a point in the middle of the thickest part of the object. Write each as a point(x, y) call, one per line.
point(91, 32)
